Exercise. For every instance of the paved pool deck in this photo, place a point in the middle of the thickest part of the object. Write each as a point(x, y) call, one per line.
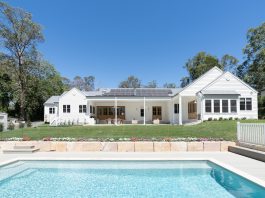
point(247, 167)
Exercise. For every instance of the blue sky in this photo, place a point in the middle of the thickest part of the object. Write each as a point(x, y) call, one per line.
point(151, 39)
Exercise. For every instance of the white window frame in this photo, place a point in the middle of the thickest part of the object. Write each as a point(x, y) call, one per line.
point(245, 105)
point(51, 110)
point(82, 108)
point(66, 108)
point(208, 106)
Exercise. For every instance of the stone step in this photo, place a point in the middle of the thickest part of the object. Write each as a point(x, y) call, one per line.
point(24, 147)
point(251, 153)
point(20, 151)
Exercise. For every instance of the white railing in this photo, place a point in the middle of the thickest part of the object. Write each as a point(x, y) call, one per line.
point(54, 122)
point(252, 133)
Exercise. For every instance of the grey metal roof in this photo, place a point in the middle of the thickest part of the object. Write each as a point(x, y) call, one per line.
point(219, 92)
point(140, 92)
point(93, 93)
point(52, 100)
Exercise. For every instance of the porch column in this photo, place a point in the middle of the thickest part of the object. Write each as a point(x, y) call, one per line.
point(173, 111)
point(180, 110)
point(116, 111)
point(144, 110)
point(88, 113)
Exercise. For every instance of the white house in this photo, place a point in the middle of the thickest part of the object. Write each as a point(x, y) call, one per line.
point(213, 95)
point(3, 120)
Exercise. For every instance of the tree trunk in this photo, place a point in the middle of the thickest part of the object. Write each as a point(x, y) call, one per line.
point(22, 90)
point(22, 104)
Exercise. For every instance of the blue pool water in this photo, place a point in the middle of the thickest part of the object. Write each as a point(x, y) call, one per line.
point(123, 179)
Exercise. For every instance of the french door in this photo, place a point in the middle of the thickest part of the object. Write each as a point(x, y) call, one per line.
point(157, 113)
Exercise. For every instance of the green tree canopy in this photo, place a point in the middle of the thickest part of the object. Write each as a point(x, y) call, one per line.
point(184, 81)
point(86, 83)
point(254, 65)
point(202, 62)
point(170, 85)
point(130, 82)
point(151, 84)
point(19, 35)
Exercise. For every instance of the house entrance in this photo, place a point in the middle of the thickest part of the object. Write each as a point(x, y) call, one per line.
point(157, 113)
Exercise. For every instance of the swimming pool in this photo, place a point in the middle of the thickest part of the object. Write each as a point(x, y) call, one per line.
point(123, 179)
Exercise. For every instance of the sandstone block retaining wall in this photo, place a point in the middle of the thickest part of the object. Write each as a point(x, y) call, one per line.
point(49, 146)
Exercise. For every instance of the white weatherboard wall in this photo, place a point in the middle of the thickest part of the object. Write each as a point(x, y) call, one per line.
point(50, 117)
point(74, 98)
point(3, 120)
point(231, 83)
point(201, 82)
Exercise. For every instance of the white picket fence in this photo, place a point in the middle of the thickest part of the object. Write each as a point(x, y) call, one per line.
point(252, 133)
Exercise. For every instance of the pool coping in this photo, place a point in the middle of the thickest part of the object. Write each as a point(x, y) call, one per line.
point(223, 165)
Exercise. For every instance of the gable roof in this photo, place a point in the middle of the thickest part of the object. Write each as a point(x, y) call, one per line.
point(74, 88)
point(193, 82)
point(227, 72)
point(52, 100)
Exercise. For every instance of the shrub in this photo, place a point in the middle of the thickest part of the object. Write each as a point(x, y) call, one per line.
point(29, 124)
point(10, 126)
point(236, 118)
point(215, 119)
point(69, 122)
point(230, 118)
point(26, 138)
point(168, 139)
point(225, 119)
point(134, 139)
point(47, 139)
point(210, 119)
point(21, 125)
point(1, 127)
point(220, 118)
point(244, 118)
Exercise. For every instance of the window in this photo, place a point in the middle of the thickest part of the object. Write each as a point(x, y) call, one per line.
point(216, 106)
point(66, 108)
point(242, 104)
point(245, 104)
point(52, 110)
point(109, 112)
point(90, 109)
point(176, 108)
point(249, 103)
point(208, 106)
point(233, 106)
point(225, 106)
point(142, 113)
point(82, 108)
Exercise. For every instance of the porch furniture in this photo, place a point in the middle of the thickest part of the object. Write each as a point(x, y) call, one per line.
point(134, 121)
point(109, 121)
point(156, 121)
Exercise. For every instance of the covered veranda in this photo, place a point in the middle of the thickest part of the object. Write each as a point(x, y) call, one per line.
point(120, 110)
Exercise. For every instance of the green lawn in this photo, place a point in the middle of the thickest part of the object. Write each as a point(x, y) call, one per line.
point(212, 129)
